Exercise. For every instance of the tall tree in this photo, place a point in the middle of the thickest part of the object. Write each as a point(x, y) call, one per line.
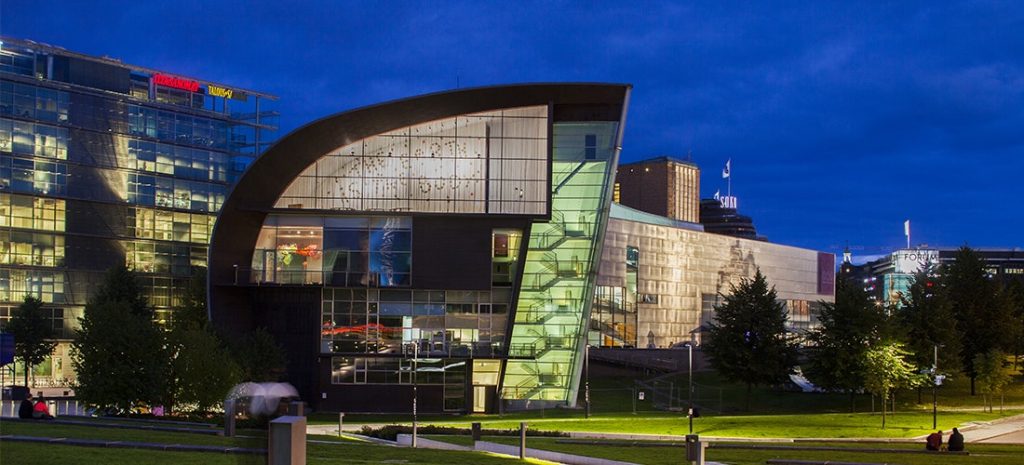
point(748, 342)
point(259, 356)
point(33, 334)
point(119, 353)
point(982, 309)
point(202, 368)
point(847, 329)
point(191, 314)
point(992, 375)
point(1015, 292)
point(886, 369)
point(927, 320)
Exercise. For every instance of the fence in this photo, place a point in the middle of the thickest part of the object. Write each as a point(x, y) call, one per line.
point(59, 407)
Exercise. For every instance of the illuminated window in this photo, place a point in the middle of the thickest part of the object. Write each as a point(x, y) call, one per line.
point(170, 226)
point(28, 248)
point(26, 212)
point(15, 284)
point(28, 101)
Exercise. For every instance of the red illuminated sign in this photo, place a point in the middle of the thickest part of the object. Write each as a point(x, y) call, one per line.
point(175, 82)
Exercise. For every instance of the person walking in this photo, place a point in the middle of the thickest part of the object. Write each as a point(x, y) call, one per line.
point(956, 441)
point(933, 441)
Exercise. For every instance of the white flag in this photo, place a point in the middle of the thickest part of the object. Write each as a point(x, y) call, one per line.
point(727, 171)
point(906, 228)
point(718, 194)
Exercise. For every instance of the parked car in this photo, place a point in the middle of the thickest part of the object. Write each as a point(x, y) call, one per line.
point(14, 392)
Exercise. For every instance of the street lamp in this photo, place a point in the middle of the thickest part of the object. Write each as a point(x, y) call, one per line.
point(415, 359)
point(689, 367)
point(935, 387)
point(586, 383)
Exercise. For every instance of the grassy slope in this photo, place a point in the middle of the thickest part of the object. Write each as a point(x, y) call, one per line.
point(983, 454)
point(773, 413)
point(347, 451)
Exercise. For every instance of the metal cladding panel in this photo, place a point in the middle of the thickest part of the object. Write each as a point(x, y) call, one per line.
point(683, 268)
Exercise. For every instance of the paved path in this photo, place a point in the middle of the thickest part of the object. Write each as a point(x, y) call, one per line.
point(1009, 430)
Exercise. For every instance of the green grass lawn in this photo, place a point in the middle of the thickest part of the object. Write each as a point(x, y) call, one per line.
point(832, 425)
point(44, 429)
point(345, 451)
point(981, 454)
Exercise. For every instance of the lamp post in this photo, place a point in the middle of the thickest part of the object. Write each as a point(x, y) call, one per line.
point(935, 387)
point(586, 382)
point(415, 359)
point(689, 367)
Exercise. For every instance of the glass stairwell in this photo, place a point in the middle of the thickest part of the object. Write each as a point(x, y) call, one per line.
point(559, 272)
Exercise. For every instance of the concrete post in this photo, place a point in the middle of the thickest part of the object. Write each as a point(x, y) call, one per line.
point(695, 449)
point(341, 419)
point(229, 418)
point(286, 443)
point(522, 440)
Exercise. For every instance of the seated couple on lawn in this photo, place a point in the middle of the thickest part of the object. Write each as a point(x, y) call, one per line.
point(37, 410)
point(934, 442)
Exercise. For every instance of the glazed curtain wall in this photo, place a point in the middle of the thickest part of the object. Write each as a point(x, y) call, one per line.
point(492, 162)
point(545, 349)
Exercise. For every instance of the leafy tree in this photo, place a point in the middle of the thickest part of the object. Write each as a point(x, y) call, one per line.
point(982, 309)
point(192, 312)
point(992, 377)
point(927, 320)
point(119, 353)
point(1015, 292)
point(886, 369)
point(748, 342)
point(259, 356)
point(33, 334)
point(837, 347)
point(203, 369)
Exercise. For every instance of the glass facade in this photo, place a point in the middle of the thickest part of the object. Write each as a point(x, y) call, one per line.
point(493, 162)
point(103, 163)
point(671, 278)
point(553, 308)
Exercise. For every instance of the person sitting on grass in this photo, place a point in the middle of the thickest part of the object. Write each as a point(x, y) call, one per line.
point(956, 441)
point(41, 411)
point(26, 407)
point(934, 441)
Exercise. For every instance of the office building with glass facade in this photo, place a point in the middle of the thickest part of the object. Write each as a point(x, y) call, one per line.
point(660, 280)
point(448, 242)
point(103, 164)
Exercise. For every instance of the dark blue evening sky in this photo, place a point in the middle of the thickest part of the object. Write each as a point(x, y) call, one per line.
point(841, 120)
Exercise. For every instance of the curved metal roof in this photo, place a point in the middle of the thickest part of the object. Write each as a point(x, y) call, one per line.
point(243, 212)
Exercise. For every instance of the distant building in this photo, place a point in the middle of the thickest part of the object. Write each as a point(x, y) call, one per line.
point(889, 278)
point(719, 219)
point(664, 186)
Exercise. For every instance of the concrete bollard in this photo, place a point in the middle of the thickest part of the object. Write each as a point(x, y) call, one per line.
point(476, 431)
point(341, 419)
point(229, 418)
point(286, 443)
point(522, 440)
point(695, 449)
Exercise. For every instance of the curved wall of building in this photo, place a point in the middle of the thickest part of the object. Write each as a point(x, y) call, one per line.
point(429, 242)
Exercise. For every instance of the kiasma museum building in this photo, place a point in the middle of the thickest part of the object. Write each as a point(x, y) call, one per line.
point(453, 242)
